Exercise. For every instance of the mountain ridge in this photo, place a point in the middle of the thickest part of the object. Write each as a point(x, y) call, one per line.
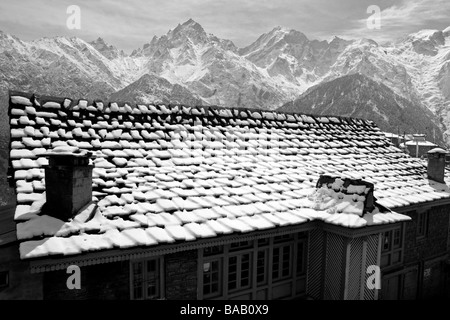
point(190, 66)
point(358, 96)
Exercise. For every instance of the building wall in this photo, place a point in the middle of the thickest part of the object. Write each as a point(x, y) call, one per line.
point(110, 281)
point(433, 277)
point(23, 285)
point(181, 275)
point(436, 241)
point(425, 274)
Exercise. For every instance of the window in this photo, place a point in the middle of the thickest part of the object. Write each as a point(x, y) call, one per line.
point(387, 241)
point(240, 245)
point(239, 267)
point(422, 224)
point(281, 262)
point(267, 268)
point(392, 245)
point(210, 251)
point(301, 258)
point(4, 279)
point(261, 267)
point(284, 238)
point(146, 278)
point(396, 239)
point(212, 279)
point(263, 242)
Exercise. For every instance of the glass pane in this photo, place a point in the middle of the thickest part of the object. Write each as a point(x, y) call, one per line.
point(397, 238)
point(421, 223)
point(206, 289)
point(212, 250)
point(385, 260)
point(206, 278)
point(261, 266)
point(151, 290)
point(300, 262)
point(276, 262)
point(245, 270)
point(151, 266)
point(240, 245)
point(286, 261)
point(387, 241)
point(263, 242)
point(137, 268)
point(137, 292)
point(284, 238)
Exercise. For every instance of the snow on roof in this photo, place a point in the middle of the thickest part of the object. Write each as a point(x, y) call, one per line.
point(67, 151)
point(438, 150)
point(174, 173)
point(392, 135)
point(420, 143)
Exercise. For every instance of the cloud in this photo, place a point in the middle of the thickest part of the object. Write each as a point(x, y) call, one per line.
point(403, 18)
point(130, 24)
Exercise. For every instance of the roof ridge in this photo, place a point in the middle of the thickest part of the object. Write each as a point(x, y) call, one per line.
point(36, 99)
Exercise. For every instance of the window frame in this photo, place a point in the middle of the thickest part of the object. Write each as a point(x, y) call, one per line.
point(239, 265)
point(220, 281)
point(392, 248)
point(422, 224)
point(281, 267)
point(260, 251)
point(4, 275)
point(159, 285)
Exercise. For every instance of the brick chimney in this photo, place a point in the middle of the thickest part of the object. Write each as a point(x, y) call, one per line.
point(436, 164)
point(68, 182)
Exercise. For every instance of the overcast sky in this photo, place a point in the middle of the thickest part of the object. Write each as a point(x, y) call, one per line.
point(130, 24)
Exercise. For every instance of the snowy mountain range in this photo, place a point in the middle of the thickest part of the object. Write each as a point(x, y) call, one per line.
point(278, 67)
point(189, 66)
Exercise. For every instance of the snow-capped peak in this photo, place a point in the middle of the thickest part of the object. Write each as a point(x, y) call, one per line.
point(191, 23)
point(426, 42)
point(188, 30)
point(446, 32)
point(109, 51)
point(426, 35)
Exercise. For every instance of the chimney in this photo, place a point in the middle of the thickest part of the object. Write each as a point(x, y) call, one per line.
point(68, 182)
point(436, 164)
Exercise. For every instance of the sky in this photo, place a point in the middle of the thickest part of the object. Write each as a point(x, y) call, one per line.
point(130, 24)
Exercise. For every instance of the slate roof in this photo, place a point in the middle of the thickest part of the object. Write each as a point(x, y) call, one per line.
point(164, 174)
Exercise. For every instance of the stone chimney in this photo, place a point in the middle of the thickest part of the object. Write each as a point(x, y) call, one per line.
point(436, 164)
point(68, 182)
